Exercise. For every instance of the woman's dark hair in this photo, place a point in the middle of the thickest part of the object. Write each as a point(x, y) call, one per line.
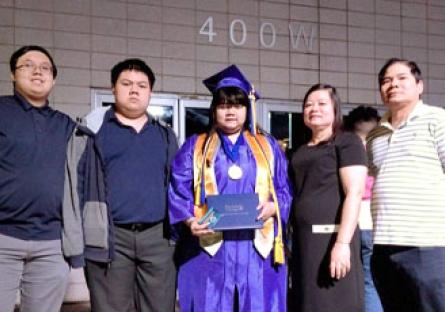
point(414, 68)
point(132, 64)
point(228, 95)
point(359, 114)
point(28, 48)
point(338, 120)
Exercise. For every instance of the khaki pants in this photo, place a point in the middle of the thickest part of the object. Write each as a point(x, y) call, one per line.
point(37, 269)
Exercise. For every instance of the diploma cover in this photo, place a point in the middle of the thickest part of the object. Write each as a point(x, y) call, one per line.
point(232, 212)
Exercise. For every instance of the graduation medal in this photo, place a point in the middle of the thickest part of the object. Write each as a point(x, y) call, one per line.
point(235, 172)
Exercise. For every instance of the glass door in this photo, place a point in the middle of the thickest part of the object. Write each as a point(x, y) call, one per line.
point(194, 116)
point(284, 121)
point(162, 106)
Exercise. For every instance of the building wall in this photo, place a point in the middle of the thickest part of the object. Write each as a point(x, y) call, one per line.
point(342, 42)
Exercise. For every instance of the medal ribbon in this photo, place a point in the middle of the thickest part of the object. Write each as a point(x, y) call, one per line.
point(232, 153)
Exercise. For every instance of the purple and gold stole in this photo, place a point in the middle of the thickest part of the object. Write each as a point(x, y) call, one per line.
point(204, 177)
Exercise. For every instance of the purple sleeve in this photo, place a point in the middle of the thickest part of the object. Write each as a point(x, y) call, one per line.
point(281, 181)
point(180, 189)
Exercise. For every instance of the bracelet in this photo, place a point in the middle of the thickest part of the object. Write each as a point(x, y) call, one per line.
point(340, 242)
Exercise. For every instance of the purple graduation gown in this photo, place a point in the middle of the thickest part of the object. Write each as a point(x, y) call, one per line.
point(207, 283)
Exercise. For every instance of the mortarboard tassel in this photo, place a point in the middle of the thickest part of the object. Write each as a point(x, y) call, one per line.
point(252, 99)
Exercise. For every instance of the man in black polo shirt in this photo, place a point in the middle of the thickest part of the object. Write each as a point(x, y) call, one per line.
point(33, 144)
point(135, 152)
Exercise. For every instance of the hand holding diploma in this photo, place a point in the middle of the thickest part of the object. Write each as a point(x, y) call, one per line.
point(198, 229)
point(266, 210)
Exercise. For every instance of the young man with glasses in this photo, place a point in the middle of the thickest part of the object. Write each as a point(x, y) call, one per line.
point(33, 146)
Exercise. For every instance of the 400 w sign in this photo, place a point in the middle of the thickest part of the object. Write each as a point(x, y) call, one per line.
point(301, 36)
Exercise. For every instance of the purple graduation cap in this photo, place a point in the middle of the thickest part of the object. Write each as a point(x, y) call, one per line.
point(233, 77)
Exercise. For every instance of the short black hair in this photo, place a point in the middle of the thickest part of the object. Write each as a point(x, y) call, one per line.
point(414, 68)
point(359, 114)
point(25, 49)
point(333, 94)
point(132, 64)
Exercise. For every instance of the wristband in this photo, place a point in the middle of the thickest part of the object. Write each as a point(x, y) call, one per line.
point(343, 243)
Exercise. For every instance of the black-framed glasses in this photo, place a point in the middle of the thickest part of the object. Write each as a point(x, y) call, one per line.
point(31, 67)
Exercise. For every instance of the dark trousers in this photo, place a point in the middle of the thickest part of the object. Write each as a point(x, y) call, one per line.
point(409, 279)
point(142, 277)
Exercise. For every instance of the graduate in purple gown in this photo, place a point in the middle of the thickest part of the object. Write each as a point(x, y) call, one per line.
point(236, 270)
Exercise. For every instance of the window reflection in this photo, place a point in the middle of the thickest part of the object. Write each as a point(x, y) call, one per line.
point(196, 120)
point(280, 128)
point(164, 113)
point(288, 129)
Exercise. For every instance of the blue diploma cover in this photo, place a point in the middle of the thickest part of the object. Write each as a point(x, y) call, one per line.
point(232, 212)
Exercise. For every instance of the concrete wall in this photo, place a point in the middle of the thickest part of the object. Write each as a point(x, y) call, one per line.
point(284, 46)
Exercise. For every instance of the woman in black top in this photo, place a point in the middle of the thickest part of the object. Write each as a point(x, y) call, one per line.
point(328, 173)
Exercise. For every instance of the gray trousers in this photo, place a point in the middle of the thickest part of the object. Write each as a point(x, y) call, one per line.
point(37, 269)
point(142, 277)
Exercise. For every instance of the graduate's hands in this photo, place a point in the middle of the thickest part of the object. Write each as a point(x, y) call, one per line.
point(266, 210)
point(198, 229)
point(340, 260)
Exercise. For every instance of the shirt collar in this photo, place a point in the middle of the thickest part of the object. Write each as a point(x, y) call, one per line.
point(110, 115)
point(45, 110)
point(416, 112)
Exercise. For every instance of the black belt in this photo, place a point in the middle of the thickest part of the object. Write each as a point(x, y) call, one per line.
point(137, 227)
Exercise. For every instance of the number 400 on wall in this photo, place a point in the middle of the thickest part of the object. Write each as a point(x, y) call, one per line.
point(267, 33)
